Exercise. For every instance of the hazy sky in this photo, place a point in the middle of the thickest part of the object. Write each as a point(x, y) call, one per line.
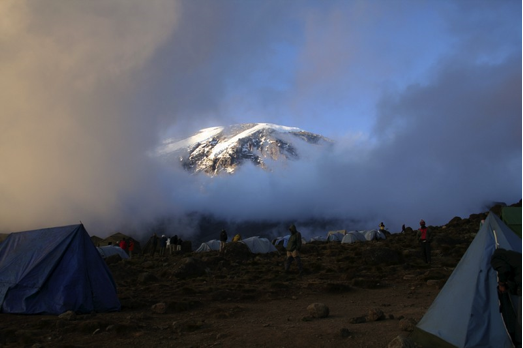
point(422, 97)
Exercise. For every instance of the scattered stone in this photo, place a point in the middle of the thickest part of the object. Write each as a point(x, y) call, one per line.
point(318, 310)
point(69, 315)
point(375, 314)
point(159, 308)
point(407, 324)
point(97, 331)
point(401, 342)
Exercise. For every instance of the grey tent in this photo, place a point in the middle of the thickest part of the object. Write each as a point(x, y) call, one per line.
point(466, 311)
point(259, 245)
point(209, 246)
point(353, 237)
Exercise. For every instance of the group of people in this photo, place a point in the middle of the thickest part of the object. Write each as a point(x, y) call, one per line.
point(163, 244)
point(127, 245)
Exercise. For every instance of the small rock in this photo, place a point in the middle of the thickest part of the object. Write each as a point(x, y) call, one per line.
point(97, 331)
point(318, 310)
point(159, 308)
point(407, 324)
point(401, 342)
point(69, 315)
point(375, 314)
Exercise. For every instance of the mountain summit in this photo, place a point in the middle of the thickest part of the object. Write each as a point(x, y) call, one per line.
point(223, 149)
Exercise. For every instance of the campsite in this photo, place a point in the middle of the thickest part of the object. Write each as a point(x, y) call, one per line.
point(358, 294)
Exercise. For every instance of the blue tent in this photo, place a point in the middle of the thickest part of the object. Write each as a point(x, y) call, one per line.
point(466, 311)
point(52, 271)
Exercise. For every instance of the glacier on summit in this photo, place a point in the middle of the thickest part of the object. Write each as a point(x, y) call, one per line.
point(219, 150)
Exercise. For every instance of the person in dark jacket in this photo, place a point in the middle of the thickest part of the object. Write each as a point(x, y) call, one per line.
point(507, 263)
point(293, 249)
point(223, 240)
point(424, 238)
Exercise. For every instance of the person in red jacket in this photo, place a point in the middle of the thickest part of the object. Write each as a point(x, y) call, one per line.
point(424, 238)
point(123, 245)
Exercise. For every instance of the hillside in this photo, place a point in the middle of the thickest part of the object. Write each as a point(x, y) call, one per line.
point(375, 291)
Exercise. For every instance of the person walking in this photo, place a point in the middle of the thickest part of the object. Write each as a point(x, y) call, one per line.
point(223, 240)
point(293, 249)
point(507, 264)
point(424, 237)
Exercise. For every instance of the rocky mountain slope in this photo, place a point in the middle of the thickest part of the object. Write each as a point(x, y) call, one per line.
point(224, 149)
point(372, 293)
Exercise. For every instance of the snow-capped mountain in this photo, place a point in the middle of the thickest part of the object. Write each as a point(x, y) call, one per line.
point(223, 149)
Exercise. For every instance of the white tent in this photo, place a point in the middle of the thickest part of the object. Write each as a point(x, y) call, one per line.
point(110, 250)
point(466, 311)
point(335, 237)
point(352, 237)
point(259, 245)
point(210, 245)
point(319, 239)
point(373, 235)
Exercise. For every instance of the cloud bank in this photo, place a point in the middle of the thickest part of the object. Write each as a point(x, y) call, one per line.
point(422, 99)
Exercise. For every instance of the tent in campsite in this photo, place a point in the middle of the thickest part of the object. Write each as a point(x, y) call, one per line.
point(352, 237)
point(466, 311)
point(511, 216)
point(259, 245)
point(210, 245)
point(282, 240)
point(335, 237)
point(373, 235)
point(110, 250)
point(318, 239)
point(52, 271)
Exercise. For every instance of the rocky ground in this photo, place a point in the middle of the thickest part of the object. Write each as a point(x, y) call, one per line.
point(367, 294)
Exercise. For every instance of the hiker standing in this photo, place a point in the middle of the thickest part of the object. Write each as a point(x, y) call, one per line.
point(223, 240)
point(424, 238)
point(131, 248)
point(123, 245)
point(154, 244)
point(403, 228)
point(508, 265)
point(293, 249)
point(174, 243)
point(163, 245)
point(382, 227)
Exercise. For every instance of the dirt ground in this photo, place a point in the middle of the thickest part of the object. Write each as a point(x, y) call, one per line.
point(373, 290)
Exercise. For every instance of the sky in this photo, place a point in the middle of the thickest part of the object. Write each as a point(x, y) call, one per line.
point(422, 98)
